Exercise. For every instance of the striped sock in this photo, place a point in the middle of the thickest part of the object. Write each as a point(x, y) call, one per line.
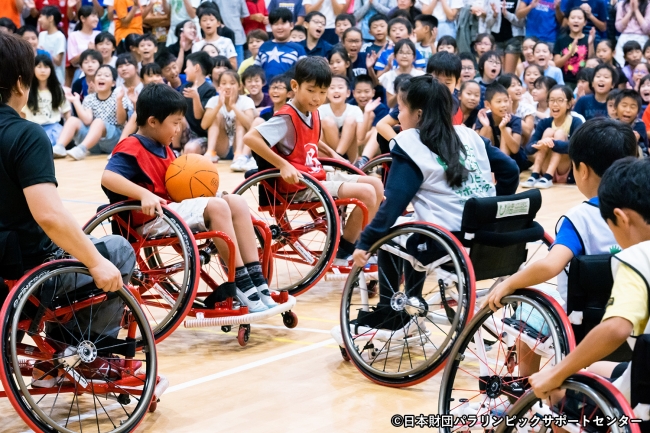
point(245, 284)
point(255, 272)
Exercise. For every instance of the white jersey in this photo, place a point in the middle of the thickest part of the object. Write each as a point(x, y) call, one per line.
point(436, 201)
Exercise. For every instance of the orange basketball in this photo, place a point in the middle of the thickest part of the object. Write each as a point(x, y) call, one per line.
point(191, 176)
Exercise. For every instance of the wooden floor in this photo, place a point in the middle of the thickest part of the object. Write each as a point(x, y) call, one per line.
point(284, 380)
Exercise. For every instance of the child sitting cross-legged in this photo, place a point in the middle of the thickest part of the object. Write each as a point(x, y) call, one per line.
point(254, 79)
point(290, 141)
point(624, 206)
point(593, 149)
point(101, 116)
point(627, 105)
point(137, 171)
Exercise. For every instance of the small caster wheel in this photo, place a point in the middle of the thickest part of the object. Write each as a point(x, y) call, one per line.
point(372, 289)
point(226, 328)
point(123, 399)
point(290, 319)
point(243, 334)
point(344, 354)
point(153, 406)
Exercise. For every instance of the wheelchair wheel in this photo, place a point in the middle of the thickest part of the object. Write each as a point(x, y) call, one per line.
point(585, 401)
point(426, 296)
point(167, 265)
point(304, 231)
point(378, 167)
point(497, 351)
point(76, 360)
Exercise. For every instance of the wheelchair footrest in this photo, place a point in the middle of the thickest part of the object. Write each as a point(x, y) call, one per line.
point(200, 322)
point(225, 291)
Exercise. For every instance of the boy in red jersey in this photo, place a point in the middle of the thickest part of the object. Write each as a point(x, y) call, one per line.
point(137, 170)
point(290, 141)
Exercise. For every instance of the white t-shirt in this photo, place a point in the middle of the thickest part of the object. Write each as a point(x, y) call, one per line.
point(354, 111)
point(54, 44)
point(243, 103)
point(524, 109)
point(46, 114)
point(327, 10)
point(78, 42)
point(438, 11)
point(223, 45)
point(388, 79)
point(178, 15)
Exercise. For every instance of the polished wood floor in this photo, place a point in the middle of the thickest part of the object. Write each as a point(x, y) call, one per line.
point(284, 380)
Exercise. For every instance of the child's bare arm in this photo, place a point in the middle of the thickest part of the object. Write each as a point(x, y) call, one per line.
point(208, 117)
point(598, 343)
point(119, 102)
point(120, 185)
point(254, 140)
point(385, 127)
point(536, 273)
point(509, 142)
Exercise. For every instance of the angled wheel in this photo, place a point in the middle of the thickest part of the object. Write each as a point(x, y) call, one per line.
point(74, 358)
point(167, 262)
point(304, 227)
point(426, 296)
point(378, 167)
point(490, 363)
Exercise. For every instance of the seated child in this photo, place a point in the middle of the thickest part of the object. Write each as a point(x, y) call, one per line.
point(582, 231)
point(520, 109)
point(584, 79)
point(137, 171)
point(405, 54)
point(624, 207)
point(398, 29)
point(550, 140)
point(627, 106)
point(483, 42)
point(529, 76)
point(170, 71)
point(633, 56)
point(595, 105)
point(100, 117)
point(447, 43)
point(527, 47)
point(378, 29)
point(499, 126)
point(292, 152)
point(611, 103)
point(342, 22)
point(489, 68)
point(197, 92)
point(542, 54)
point(227, 118)
point(147, 48)
point(280, 92)
point(426, 32)
point(341, 121)
point(254, 39)
point(105, 45)
point(47, 104)
point(298, 34)
point(127, 69)
point(644, 91)
point(90, 61)
point(373, 111)
point(540, 90)
point(468, 69)
point(469, 98)
point(639, 72)
point(254, 79)
point(151, 73)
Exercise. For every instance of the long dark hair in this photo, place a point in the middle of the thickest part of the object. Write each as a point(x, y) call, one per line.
point(53, 85)
point(84, 12)
point(436, 129)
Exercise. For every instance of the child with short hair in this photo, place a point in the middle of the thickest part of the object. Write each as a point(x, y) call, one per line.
point(298, 34)
point(426, 32)
point(550, 140)
point(254, 80)
point(100, 117)
point(593, 149)
point(314, 44)
point(151, 73)
point(633, 56)
point(405, 54)
point(30, 34)
point(147, 48)
point(584, 78)
point(197, 92)
point(483, 43)
point(468, 67)
point(295, 153)
point(542, 54)
point(360, 63)
point(342, 23)
point(446, 68)
point(209, 21)
point(499, 126)
point(398, 29)
point(254, 39)
point(46, 104)
point(624, 209)
point(611, 102)
point(520, 109)
point(373, 111)
point(279, 55)
point(52, 40)
point(90, 61)
point(105, 45)
point(644, 91)
point(603, 82)
point(137, 171)
point(447, 43)
point(280, 92)
point(378, 28)
point(170, 71)
point(628, 106)
point(489, 68)
point(127, 69)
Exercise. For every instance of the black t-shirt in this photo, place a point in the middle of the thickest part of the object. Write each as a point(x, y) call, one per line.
point(505, 32)
point(577, 61)
point(25, 160)
point(175, 49)
point(226, 32)
point(206, 91)
point(514, 125)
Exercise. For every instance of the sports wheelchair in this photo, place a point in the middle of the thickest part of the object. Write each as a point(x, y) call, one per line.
point(427, 291)
point(179, 273)
point(75, 360)
point(305, 225)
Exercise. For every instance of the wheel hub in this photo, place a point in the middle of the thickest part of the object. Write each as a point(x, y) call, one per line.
point(413, 306)
point(493, 387)
point(87, 351)
point(276, 232)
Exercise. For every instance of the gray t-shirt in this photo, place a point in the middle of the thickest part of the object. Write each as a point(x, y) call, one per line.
point(232, 11)
point(279, 131)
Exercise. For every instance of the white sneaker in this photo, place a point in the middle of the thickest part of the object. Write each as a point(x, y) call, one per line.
point(265, 295)
point(543, 183)
point(530, 182)
point(239, 163)
point(343, 262)
point(59, 151)
point(251, 164)
point(78, 153)
point(254, 306)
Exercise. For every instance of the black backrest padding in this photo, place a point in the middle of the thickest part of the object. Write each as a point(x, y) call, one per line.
point(11, 262)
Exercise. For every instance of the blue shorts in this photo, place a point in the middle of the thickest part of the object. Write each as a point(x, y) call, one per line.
point(106, 144)
point(53, 130)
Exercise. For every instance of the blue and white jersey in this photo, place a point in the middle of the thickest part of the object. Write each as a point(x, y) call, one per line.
point(278, 57)
point(420, 62)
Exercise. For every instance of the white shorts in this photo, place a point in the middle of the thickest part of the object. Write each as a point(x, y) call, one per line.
point(191, 212)
point(332, 184)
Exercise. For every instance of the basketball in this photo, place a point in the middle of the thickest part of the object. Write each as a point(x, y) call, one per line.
point(191, 176)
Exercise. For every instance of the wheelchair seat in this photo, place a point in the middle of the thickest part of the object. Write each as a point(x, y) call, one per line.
point(497, 229)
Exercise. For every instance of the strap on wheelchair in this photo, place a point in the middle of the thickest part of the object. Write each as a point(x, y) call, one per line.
point(496, 239)
point(225, 291)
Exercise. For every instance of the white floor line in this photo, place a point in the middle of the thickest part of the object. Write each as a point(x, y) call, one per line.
point(245, 367)
point(314, 330)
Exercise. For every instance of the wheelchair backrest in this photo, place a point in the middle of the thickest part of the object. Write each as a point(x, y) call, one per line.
point(497, 229)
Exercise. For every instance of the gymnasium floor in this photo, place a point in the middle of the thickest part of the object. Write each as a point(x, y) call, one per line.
point(285, 380)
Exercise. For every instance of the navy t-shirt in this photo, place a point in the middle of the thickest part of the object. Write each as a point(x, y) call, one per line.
point(380, 112)
point(589, 108)
point(358, 67)
point(598, 10)
point(514, 125)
